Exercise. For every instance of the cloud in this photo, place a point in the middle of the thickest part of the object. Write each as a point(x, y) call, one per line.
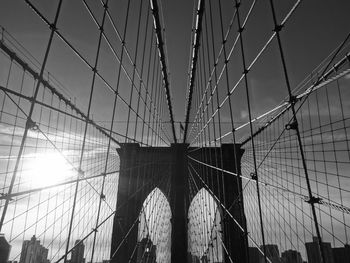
point(244, 114)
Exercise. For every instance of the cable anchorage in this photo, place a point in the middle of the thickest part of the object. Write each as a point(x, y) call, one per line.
point(31, 125)
point(292, 126)
point(313, 200)
point(254, 176)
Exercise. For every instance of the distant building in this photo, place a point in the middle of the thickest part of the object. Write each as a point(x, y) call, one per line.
point(146, 251)
point(78, 252)
point(33, 252)
point(192, 258)
point(5, 248)
point(195, 259)
point(341, 254)
point(291, 256)
point(204, 259)
point(272, 253)
point(254, 255)
point(314, 253)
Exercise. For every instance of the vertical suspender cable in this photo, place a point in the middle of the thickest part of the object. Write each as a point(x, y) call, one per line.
point(312, 199)
point(255, 173)
point(29, 122)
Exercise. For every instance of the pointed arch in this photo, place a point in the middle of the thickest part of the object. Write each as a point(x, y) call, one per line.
point(154, 229)
point(204, 227)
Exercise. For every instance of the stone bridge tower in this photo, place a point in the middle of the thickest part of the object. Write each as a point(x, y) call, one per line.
point(142, 168)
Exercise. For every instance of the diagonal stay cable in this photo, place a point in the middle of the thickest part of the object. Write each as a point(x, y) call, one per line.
point(84, 60)
point(133, 195)
point(226, 210)
point(249, 67)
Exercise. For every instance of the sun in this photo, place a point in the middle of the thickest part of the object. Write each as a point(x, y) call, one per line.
point(49, 168)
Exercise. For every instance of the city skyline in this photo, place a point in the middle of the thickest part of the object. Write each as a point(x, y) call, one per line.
point(34, 252)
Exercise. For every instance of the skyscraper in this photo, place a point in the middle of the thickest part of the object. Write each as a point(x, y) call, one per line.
point(204, 259)
point(5, 248)
point(146, 251)
point(195, 259)
point(33, 252)
point(341, 254)
point(78, 252)
point(291, 256)
point(254, 255)
point(272, 253)
point(314, 253)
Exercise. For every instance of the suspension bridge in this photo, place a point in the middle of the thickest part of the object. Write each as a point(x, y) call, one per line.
point(97, 166)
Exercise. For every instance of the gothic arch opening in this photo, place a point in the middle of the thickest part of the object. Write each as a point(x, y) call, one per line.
point(154, 229)
point(204, 229)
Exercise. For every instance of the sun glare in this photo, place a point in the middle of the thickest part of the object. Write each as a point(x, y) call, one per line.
point(48, 169)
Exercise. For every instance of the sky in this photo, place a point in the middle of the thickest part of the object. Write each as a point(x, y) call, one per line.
point(315, 30)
